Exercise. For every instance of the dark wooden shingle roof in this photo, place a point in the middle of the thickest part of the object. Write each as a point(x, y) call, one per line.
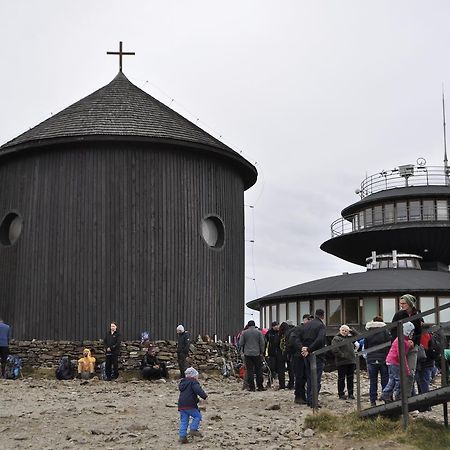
point(123, 111)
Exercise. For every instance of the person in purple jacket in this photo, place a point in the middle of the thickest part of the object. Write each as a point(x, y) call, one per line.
point(5, 335)
point(190, 390)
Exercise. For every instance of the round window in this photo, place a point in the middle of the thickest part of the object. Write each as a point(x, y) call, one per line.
point(213, 231)
point(10, 228)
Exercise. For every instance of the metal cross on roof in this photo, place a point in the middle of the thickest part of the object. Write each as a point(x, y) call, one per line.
point(120, 53)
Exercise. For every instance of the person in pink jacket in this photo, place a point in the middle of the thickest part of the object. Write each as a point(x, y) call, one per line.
point(392, 390)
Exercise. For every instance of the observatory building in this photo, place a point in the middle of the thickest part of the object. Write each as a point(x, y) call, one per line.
point(400, 231)
point(118, 208)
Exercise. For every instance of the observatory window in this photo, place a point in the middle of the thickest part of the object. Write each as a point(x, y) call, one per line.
point(334, 312)
point(282, 312)
point(389, 308)
point(351, 310)
point(213, 231)
point(304, 309)
point(402, 212)
point(320, 304)
point(414, 210)
point(292, 312)
point(368, 217)
point(10, 228)
point(378, 215)
point(441, 210)
point(370, 308)
point(361, 219)
point(273, 313)
point(428, 209)
point(389, 213)
point(427, 303)
point(444, 315)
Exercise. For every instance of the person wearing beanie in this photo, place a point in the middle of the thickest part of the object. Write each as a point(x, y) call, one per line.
point(252, 344)
point(391, 391)
point(183, 347)
point(190, 391)
point(274, 355)
point(407, 304)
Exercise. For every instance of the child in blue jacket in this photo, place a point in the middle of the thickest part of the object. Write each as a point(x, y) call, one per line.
point(190, 390)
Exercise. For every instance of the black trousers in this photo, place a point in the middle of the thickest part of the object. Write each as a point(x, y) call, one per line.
point(277, 366)
point(4, 352)
point(254, 367)
point(291, 370)
point(152, 373)
point(182, 364)
point(300, 376)
point(345, 373)
point(112, 366)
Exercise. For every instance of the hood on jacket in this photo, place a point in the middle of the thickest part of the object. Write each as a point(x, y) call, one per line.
point(372, 324)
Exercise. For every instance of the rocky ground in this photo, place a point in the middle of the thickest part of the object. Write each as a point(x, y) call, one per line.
point(40, 413)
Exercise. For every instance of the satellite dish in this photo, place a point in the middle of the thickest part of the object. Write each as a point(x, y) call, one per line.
point(357, 191)
point(421, 162)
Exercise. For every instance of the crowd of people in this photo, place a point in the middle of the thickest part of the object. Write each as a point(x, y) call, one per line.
point(286, 349)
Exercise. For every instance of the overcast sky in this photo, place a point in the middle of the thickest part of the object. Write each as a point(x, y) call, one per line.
point(317, 94)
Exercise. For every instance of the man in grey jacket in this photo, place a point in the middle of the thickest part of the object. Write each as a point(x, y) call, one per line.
point(252, 344)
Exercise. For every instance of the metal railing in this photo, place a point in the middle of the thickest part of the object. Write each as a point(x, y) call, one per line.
point(399, 177)
point(402, 357)
point(353, 222)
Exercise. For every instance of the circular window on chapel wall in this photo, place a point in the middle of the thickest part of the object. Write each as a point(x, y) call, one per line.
point(10, 228)
point(213, 231)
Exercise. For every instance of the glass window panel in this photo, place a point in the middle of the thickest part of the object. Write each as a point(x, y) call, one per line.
point(351, 310)
point(441, 210)
point(428, 209)
point(273, 314)
point(444, 316)
point(401, 263)
point(304, 309)
point(292, 312)
point(389, 306)
point(361, 219)
point(282, 312)
point(355, 225)
point(368, 217)
point(427, 303)
point(414, 210)
point(334, 312)
point(319, 304)
point(378, 215)
point(389, 213)
point(266, 317)
point(401, 212)
point(370, 308)
point(384, 264)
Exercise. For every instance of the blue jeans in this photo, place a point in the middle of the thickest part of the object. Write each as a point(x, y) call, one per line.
point(185, 414)
point(374, 370)
point(423, 377)
point(393, 386)
point(320, 365)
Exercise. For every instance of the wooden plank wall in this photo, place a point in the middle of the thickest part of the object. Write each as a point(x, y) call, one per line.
point(113, 232)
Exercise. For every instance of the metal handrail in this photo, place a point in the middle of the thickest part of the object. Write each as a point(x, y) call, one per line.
point(403, 378)
point(391, 179)
point(345, 225)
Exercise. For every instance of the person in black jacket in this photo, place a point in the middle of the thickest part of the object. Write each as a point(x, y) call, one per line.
point(313, 338)
point(274, 355)
point(183, 347)
point(376, 360)
point(152, 368)
point(112, 348)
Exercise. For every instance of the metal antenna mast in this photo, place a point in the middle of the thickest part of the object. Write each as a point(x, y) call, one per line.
point(446, 170)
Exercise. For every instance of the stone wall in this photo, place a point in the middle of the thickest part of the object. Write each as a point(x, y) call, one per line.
point(207, 356)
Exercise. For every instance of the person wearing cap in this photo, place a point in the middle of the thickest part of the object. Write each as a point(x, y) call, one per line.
point(391, 391)
point(190, 391)
point(183, 347)
point(274, 355)
point(252, 345)
point(151, 367)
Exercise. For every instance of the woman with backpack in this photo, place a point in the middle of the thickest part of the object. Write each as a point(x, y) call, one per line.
point(112, 348)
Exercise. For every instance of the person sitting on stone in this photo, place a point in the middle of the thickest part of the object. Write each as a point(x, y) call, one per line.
point(152, 368)
point(86, 365)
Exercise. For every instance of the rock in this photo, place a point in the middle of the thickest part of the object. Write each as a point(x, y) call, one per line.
point(308, 433)
point(273, 408)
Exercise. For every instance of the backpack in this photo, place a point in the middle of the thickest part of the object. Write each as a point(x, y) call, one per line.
point(65, 370)
point(290, 339)
point(13, 367)
point(435, 346)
